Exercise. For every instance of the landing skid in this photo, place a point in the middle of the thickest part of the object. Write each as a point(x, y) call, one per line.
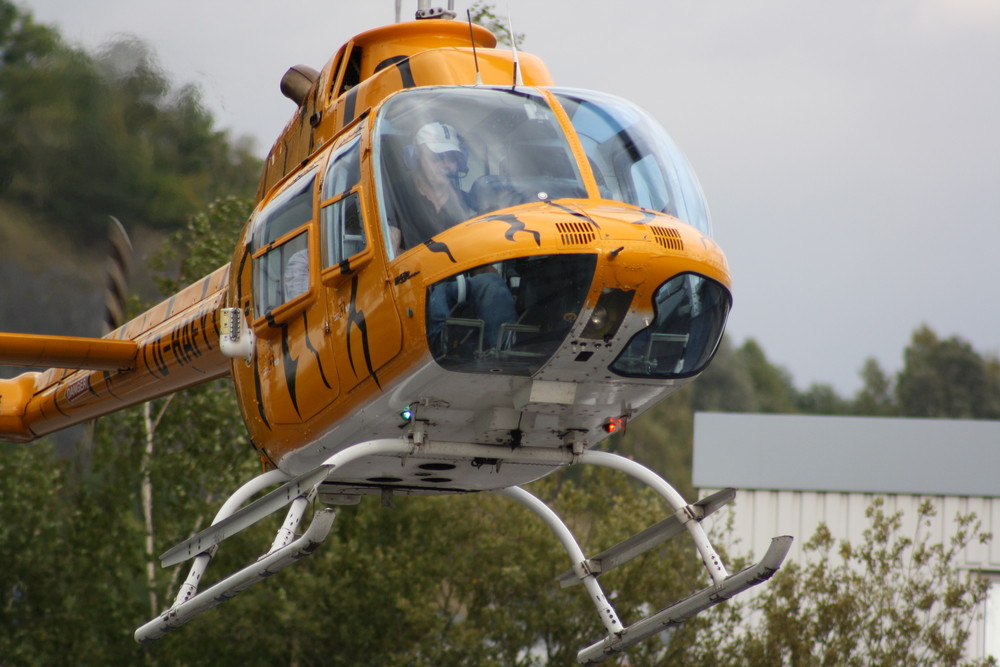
point(585, 570)
point(299, 492)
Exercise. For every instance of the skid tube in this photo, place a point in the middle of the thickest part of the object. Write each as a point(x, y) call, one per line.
point(298, 492)
point(586, 570)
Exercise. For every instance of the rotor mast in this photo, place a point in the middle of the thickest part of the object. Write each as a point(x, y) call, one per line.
point(425, 11)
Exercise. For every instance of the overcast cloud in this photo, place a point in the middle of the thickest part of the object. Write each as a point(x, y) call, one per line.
point(850, 151)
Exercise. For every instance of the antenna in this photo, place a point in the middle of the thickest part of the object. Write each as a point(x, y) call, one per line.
point(518, 79)
point(475, 56)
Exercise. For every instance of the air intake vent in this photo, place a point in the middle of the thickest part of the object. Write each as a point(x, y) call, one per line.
point(576, 233)
point(668, 237)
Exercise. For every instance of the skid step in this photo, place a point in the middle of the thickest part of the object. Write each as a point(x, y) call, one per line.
point(653, 536)
point(244, 518)
point(237, 582)
point(680, 611)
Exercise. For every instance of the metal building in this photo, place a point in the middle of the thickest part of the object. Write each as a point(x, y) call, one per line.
point(793, 472)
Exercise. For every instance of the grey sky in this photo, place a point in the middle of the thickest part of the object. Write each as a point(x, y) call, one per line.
point(850, 151)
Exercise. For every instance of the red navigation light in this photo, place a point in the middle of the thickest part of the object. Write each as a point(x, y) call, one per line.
point(614, 424)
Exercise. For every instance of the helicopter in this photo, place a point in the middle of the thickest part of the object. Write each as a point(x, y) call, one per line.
point(459, 277)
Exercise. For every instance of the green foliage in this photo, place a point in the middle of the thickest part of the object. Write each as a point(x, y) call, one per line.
point(772, 385)
point(947, 378)
point(892, 600)
point(32, 506)
point(87, 136)
point(22, 41)
point(875, 397)
point(941, 377)
point(431, 581)
point(484, 14)
point(203, 244)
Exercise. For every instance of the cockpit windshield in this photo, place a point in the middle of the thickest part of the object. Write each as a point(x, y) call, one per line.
point(447, 155)
point(633, 158)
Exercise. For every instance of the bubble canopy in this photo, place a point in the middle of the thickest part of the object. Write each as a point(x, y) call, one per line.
point(500, 147)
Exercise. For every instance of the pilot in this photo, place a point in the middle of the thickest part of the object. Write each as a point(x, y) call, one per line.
point(437, 159)
point(435, 202)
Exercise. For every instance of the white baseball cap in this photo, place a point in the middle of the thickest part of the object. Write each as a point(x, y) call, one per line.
point(439, 137)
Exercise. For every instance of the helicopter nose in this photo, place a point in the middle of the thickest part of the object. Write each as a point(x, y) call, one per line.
point(689, 318)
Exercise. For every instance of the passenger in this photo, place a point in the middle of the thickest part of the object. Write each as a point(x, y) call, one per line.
point(296, 276)
point(489, 299)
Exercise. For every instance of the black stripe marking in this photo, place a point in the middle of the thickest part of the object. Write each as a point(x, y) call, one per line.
point(576, 213)
point(357, 318)
point(406, 74)
point(309, 345)
point(437, 246)
point(291, 369)
point(259, 391)
point(349, 105)
point(107, 384)
point(516, 226)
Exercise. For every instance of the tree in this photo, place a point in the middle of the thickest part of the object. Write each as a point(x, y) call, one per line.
point(86, 136)
point(484, 14)
point(726, 385)
point(875, 397)
point(947, 378)
point(772, 385)
point(23, 44)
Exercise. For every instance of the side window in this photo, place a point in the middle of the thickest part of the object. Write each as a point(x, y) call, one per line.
point(281, 247)
point(343, 231)
point(352, 74)
point(333, 76)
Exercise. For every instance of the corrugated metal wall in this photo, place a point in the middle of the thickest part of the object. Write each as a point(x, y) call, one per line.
point(794, 472)
point(757, 516)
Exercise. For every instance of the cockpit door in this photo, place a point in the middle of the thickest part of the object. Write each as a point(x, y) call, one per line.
point(364, 327)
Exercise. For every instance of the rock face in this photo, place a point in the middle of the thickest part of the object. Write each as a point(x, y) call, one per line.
point(50, 285)
point(46, 288)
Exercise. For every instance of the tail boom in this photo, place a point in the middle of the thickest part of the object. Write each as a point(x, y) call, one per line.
point(172, 346)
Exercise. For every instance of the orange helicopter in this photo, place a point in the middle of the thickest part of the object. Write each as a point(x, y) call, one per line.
point(458, 277)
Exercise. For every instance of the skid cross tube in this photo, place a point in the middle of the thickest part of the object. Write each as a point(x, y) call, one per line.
point(190, 586)
point(607, 613)
point(653, 536)
point(243, 518)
